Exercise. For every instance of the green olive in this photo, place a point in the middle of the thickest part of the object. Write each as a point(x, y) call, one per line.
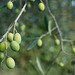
point(10, 5)
point(61, 64)
point(17, 38)
point(17, 11)
point(10, 37)
point(57, 41)
point(22, 28)
point(16, 24)
point(10, 62)
point(2, 46)
point(41, 6)
point(39, 42)
point(14, 46)
point(1, 55)
point(73, 49)
point(29, 5)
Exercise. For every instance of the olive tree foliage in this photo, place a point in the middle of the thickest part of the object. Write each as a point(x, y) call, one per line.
point(54, 23)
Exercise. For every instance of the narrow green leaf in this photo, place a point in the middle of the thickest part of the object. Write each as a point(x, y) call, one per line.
point(46, 22)
point(33, 44)
point(34, 67)
point(49, 26)
point(39, 65)
point(36, 34)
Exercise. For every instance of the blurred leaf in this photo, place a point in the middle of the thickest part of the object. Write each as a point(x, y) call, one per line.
point(2, 6)
point(36, 34)
point(29, 38)
point(33, 44)
point(34, 67)
point(39, 65)
point(46, 22)
point(49, 25)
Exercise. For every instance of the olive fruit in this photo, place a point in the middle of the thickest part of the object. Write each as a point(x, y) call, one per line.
point(1, 55)
point(57, 41)
point(73, 49)
point(61, 64)
point(10, 5)
point(10, 37)
point(10, 62)
point(39, 42)
point(17, 38)
point(29, 5)
point(22, 27)
point(3, 46)
point(24, 10)
point(17, 11)
point(41, 6)
point(14, 46)
point(16, 24)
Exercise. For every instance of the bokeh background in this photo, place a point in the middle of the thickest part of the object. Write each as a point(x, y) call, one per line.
point(36, 23)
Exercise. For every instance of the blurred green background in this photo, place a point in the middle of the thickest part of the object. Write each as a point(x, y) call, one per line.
point(36, 23)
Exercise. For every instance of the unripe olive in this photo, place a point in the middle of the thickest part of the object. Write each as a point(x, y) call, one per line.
point(29, 5)
point(39, 42)
point(17, 38)
point(57, 41)
point(61, 64)
point(15, 46)
point(41, 6)
point(1, 55)
point(24, 10)
point(10, 5)
point(10, 62)
point(73, 49)
point(16, 24)
point(17, 11)
point(10, 37)
point(2, 46)
point(22, 27)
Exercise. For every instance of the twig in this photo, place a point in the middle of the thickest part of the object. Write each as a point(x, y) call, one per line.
point(14, 21)
point(58, 29)
point(65, 40)
point(47, 33)
point(61, 38)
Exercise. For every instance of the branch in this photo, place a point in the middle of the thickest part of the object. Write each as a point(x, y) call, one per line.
point(47, 33)
point(58, 29)
point(65, 40)
point(14, 21)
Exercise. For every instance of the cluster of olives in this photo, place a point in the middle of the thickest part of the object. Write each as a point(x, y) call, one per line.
point(14, 41)
point(22, 27)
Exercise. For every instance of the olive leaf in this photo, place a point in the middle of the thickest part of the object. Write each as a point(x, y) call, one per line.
point(33, 44)
point(39, 65)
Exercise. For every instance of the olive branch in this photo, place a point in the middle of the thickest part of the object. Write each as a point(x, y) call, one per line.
point(55, 28)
